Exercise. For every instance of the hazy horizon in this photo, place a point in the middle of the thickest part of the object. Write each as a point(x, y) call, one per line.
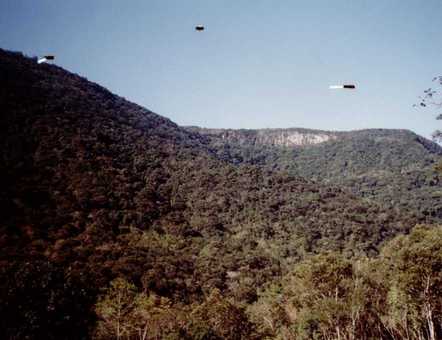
point(257, 64)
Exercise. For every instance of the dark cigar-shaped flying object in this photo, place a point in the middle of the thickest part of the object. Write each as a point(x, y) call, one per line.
point(345, 86)
point(199, 28)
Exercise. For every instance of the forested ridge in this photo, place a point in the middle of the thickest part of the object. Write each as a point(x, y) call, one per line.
point(395, 168)
point(117, 223)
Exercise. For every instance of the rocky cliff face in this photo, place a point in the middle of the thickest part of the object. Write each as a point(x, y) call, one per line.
point(294, 137)
point(273, 137)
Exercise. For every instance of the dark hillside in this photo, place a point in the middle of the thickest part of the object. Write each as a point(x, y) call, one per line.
point(95, 187)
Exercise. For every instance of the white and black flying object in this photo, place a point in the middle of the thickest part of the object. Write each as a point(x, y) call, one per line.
point(346, 86)
point(45, 59)
point(199, 28)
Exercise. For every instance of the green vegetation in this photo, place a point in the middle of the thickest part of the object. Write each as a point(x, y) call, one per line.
point(117, 223)
point(393, 168)
point(125, 313)
point(396, 295)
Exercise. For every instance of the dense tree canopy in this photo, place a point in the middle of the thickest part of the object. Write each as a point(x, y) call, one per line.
point(117, 223)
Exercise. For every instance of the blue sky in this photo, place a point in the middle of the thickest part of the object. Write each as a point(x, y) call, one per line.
point(258, 64)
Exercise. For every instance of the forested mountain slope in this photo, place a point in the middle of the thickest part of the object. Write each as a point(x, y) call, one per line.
point(96, 188)
point(395, 168)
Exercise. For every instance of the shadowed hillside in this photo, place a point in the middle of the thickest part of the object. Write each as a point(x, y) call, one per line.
point(96, 188)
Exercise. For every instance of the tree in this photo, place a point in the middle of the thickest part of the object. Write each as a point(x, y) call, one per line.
point(433, 97)
point(124, 313)
point(415, 267)
point(219, 318)
point(268, 313)
point(113, 310)
point(318, 297)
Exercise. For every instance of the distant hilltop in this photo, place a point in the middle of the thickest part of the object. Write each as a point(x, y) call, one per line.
point(294, 137)
point(275, 137)
point(394, 167)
